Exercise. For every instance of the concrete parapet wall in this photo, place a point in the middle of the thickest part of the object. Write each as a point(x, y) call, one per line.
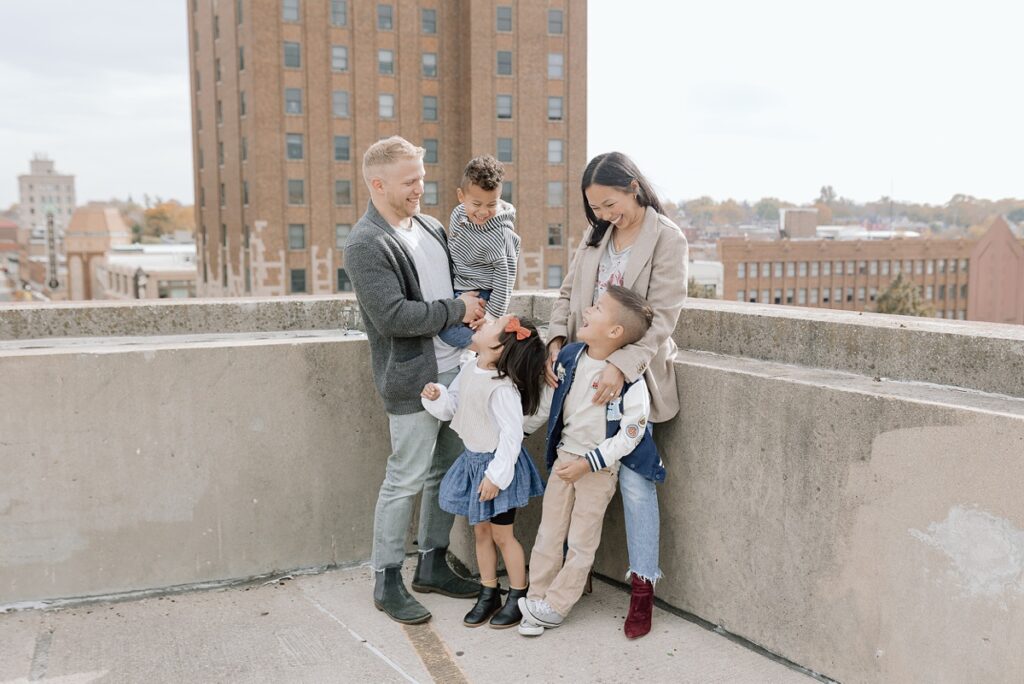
point(866, 528)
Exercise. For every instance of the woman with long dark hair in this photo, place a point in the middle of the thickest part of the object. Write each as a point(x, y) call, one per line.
point(630, 243)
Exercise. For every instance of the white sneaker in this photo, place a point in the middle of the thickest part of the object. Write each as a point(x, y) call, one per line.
point(540, 612)
point(527, 628)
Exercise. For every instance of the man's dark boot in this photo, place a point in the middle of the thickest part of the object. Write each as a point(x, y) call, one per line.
point(434, 576)
point(509, 615)
point(487, 604)
point(390, 595)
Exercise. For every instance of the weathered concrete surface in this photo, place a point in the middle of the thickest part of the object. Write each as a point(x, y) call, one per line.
point(871, 531)
point(324, 629)
point(172, 463)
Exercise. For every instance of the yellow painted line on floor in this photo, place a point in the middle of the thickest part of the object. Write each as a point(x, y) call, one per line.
point(435, 654)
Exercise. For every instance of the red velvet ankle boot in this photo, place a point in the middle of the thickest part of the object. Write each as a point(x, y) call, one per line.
point(641, 605)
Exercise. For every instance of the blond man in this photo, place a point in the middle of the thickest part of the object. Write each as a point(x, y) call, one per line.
point(400, 268)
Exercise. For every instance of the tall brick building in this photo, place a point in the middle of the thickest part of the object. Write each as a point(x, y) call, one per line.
point(287, 94)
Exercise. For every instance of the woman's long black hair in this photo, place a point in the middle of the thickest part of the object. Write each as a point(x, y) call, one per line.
point(614, 170)
point(522, 361)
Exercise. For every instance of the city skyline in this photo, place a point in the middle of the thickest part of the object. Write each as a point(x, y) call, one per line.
point(773, 101)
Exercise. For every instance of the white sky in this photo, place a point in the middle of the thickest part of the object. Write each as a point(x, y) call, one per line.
point(731, 98)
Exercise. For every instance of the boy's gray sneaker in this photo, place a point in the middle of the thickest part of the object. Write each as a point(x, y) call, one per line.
point(527, 628)
point(540, 612)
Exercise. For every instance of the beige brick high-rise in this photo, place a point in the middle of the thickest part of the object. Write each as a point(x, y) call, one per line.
point(296, 90)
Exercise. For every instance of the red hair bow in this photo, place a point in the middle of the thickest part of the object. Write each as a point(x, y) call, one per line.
point(514, 326)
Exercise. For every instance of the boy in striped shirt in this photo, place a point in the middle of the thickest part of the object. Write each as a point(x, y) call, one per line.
point(483, 244)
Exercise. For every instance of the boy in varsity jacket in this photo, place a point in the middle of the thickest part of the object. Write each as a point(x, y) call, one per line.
point(587, 442)
point(483, 243)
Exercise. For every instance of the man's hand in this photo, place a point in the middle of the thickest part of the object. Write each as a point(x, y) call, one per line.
point(554, 347)
point(431, 392)
point(570, 472)
point(474, 306)
point(609, 385)
point(488, 490)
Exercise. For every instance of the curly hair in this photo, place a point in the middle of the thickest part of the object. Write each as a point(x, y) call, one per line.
point(484, 171)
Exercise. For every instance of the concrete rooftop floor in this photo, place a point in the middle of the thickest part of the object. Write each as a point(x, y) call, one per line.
point(324, 628)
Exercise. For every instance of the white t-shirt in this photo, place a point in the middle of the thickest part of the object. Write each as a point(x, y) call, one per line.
point(431, 263)
point(611, 269)
point(585, 423)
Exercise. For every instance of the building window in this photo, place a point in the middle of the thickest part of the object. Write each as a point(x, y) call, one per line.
point(292, 55)
point(963, 267)
point(245, 149)
point(929, 292)
point(342, 148)
point(200, 158)
point(839, 268)
point(430, 197)
point(777, 296)
point(505, 106)
point(296, 191)
point(556, 151)
point(556, 193)
point(849, 294)
point(801, 296)
point(942, 292)
point(242, 108)
point(339, 12)
point(220, 153)
point(554, 235)
point(216, 69)
point(741, 295)
point(293, 146)
point(826, 268)
point(241, 58)
point(385, 62)
point(245, 193)
point(929, 267)
point(429, 108)
point(504, 149)
point(555, 108)
point(223, 196)
point(290, 10)
point(342, 193)
point(428, 21)
point(293, 100)
point(963, 291)
point(556, 65)
point(429, 65)
point(837, 295)
point(790, 269)
point(825, 295)
point(339, 104)
point(942, 266)
point(741, 270)
point(341, 231)
point(873, 294)
point(908, 266)
point(554, 276)
point(298, 277)
point(216, 27)
point(296, 236)
point(814, 269)
point(789, 295)
point(504, 63)
point(339, 58)
point(385, 20)
point(504, 19)
point(884, 267)
point(386, 106)
point(506, 191)
point(766, 269)
point(555, 22)
point(814, 296)
point(344, 282)
point(430, 155)
point(777, 270)
point(860, 294)
point(802, 269)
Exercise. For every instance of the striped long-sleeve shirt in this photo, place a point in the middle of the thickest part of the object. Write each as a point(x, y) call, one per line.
point(485, 257)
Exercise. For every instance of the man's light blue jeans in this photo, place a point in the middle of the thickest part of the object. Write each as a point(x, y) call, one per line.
point(643, 524)
point(422, 450)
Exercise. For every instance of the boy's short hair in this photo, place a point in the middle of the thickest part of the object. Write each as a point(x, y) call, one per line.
point(635, 314)
point(484, 171)
point(388, 151)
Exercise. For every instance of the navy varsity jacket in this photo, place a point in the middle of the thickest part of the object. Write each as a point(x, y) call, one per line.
point(631, 443)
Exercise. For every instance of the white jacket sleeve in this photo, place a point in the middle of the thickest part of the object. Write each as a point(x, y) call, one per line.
point(540, 418)
point(506, 411)
point(636, 409)
point(444, 407)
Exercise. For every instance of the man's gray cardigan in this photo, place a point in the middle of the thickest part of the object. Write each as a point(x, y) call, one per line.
point(399, 324)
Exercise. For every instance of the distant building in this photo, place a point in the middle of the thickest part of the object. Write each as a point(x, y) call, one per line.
point(798, 222)
point(163, 271)
point(286, 97)
point(94, 229)
point(43, 192)
point(708, 276)
point(961, 279)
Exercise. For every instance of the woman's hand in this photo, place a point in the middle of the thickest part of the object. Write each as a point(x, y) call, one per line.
point(554, 347)
point(609, 385)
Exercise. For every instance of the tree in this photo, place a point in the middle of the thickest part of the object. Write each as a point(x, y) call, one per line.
point(695, 289)
point(165, 218)
point(767, 209)
point(827, 195)
point(903, 298)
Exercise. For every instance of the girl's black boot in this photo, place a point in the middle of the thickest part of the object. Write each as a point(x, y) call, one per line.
point(487, 604)
point(509, 615)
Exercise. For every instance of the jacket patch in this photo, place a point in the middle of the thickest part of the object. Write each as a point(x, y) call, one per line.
point(632, 431)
